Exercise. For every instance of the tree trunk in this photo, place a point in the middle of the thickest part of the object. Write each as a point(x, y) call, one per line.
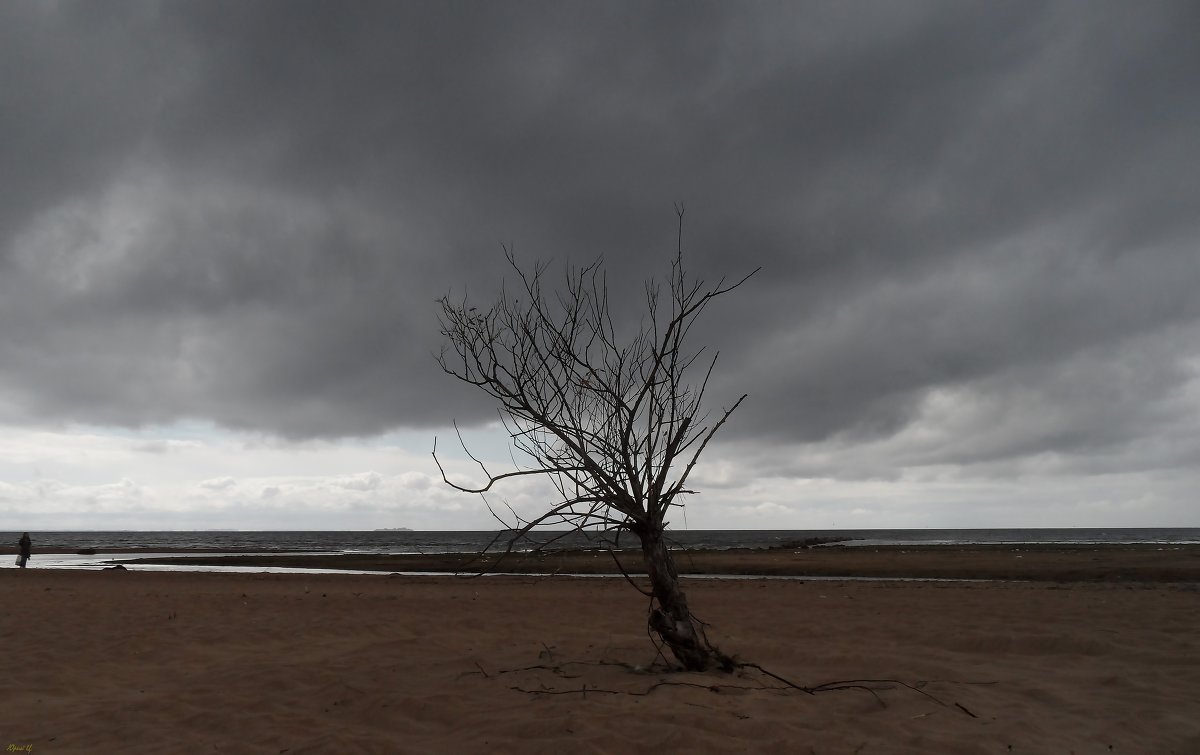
point(670, 618)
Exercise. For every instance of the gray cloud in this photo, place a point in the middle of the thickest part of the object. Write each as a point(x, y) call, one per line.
point(242, 212)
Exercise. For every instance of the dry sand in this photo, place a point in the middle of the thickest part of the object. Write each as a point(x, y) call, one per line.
point(141, 662)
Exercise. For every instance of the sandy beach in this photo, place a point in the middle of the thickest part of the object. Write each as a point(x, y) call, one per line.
point(129, 661)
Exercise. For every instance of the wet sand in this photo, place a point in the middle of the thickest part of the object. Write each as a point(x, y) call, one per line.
point(1062, 563)
point(151, 662)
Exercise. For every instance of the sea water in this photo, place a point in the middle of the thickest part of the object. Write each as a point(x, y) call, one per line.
point(404, 541)
point(145, 544)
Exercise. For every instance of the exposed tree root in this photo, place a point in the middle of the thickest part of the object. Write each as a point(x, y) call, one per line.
point(871, 686)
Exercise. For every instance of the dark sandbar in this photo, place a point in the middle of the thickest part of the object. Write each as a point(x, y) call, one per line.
point(1057, 563)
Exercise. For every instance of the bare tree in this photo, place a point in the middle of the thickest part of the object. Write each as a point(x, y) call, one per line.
point(615, 423)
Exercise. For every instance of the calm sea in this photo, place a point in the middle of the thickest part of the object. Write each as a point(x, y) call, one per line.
point(391, 541)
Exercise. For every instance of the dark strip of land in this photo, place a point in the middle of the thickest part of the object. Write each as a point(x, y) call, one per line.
point(1055, 563)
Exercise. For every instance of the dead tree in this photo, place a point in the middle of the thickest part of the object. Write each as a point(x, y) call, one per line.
point(613, 419)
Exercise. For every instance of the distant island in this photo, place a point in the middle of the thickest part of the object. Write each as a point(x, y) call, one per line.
point(393, 529)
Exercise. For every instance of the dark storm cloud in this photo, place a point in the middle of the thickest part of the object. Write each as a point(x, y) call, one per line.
point(243, 211)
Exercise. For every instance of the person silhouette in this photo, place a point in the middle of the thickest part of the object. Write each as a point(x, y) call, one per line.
point(26, 548)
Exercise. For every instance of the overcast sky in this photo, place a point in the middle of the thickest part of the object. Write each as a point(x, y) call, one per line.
point(223, 226)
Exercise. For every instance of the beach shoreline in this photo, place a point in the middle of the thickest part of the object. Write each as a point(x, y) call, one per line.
point(1037, 562)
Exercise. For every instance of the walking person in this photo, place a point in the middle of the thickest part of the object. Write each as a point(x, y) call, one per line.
point(26, 549)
